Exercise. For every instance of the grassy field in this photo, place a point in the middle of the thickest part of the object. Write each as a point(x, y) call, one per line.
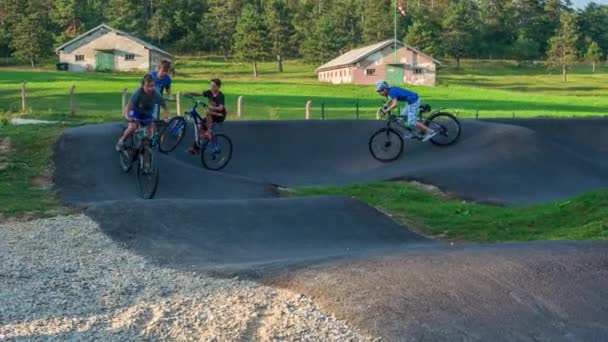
point(581, 218)
point(25, 170)
point(494, 89)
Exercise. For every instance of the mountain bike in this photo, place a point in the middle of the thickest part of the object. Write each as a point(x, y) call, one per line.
point(140, 148)
point(215, 152)
point(386, 144)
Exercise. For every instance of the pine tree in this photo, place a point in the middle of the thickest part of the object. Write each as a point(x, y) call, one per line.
point(525, 48)
point(377, 21)
point(460, 29)
point(32, 37)
point(562, 47)
point(279, 27)
point(126, 15)
point(594, 54)
point(221, 21)
point(251, 43)
point(424, 37)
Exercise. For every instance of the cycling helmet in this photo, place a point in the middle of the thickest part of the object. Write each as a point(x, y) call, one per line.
point(381, 85)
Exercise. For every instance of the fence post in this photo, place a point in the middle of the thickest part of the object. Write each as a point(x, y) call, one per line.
point(322, 109)
point(357, 108)
point(178, 103)
point(23, 99)
point(308, 104)
point(477, 114)
point(72, 99)
point(239, 107)
point(513, 115)
point(124, 101)
point(378, 114)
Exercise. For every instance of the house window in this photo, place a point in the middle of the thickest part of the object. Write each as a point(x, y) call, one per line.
point(101, 33)
point(79, 58)
point(129, 57)
point(418, 71)
point(370, 72)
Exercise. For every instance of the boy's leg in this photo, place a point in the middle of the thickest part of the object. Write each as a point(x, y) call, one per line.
point(209, 124)
point(120, 145)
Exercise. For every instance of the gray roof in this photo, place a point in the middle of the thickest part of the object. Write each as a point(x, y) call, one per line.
point(356, 55)
point(122, 33)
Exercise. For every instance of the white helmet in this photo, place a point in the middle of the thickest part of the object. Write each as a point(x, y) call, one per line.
point(381, 85)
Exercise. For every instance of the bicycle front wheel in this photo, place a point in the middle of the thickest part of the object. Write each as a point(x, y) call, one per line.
point(172, 134)
point(386, 145)
point(216, 154)
point(447, 127)
point(147, 173)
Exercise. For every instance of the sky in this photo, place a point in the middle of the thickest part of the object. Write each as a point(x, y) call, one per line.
point(583, 3)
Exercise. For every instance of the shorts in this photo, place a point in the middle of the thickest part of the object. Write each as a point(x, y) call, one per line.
point(144, 119)
point(218, 119)
point(410, 113)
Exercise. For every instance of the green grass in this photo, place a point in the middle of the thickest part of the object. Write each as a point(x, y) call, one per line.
point(25, 170)
point(581, 218)
point(494, 89)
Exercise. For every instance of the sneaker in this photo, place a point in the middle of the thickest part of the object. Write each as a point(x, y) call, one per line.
point(193, 150)
point(411, 134)
point(120, 145)
point(429, 135)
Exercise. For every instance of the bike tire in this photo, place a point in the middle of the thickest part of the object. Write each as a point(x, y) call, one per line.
point(384, 139)
point(448, 126)
point(216, 160)
point(172, 134)
point(126, 156)
point(147, 180)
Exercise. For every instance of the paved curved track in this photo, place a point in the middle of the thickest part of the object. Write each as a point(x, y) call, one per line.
point(351, 258)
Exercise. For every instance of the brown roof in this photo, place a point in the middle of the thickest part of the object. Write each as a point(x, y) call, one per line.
point(356, 55)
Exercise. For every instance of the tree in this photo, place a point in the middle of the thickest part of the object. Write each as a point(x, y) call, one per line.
point(159, 26)
point(221, 21)
point(593, 23)
point(279, 27)
point(422, 35)
point(31, 36)
point(460, 29)
point(126, 15)
point(251, 43)
point(497, 22)
point(594, 54)
point(525, 48)
point(377, 21)
point(562, 47)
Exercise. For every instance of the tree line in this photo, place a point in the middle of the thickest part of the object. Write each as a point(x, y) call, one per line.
point(317, 30)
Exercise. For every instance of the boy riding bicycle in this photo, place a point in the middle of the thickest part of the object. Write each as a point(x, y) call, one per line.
point(216, 111)
point(410, 112)
point(141, 109)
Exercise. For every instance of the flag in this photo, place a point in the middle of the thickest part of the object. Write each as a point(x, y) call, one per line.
point(400, 7)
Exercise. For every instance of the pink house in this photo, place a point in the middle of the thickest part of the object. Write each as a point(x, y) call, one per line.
point(369, 64)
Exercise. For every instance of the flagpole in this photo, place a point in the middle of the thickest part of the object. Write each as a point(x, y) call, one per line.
point(395, 29)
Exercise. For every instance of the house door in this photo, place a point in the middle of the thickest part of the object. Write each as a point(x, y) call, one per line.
point(394, 74)
point(104, 61)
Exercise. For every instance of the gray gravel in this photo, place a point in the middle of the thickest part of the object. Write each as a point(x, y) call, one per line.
point(62, 278)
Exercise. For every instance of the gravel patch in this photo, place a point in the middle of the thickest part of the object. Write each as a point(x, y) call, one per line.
point(62, 278)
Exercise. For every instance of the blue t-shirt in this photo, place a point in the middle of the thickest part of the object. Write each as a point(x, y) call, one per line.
point(161, 84)
point(402, 94)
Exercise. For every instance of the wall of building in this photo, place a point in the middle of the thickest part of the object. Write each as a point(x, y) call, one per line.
point(420, 69)
point(108, 41)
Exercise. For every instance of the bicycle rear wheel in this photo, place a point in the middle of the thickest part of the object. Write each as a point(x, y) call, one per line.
point(172, 134)
point(147, 173)
point(386, 145)
point(126, 156)
point(447, 127)
point(216, 154)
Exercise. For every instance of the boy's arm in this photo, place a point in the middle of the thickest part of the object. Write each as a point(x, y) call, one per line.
point(394, 104)
point(129, 108)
